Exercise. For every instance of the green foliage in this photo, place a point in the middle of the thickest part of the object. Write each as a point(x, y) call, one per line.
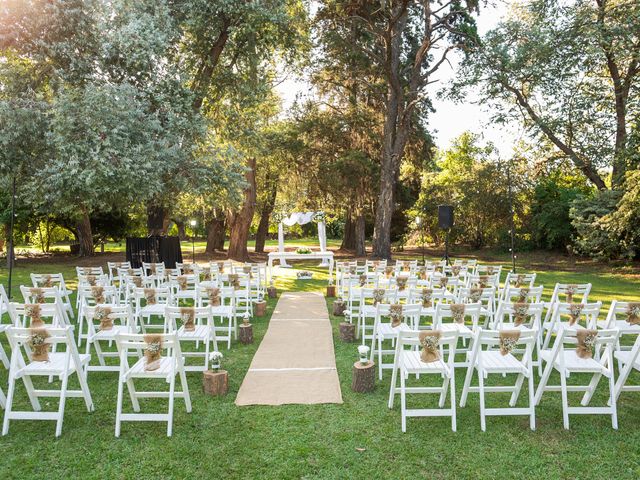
point(624, 221)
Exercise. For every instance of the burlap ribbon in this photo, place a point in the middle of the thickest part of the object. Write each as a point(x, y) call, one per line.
point(443, 281)
point(137, 281)
point(520, 313)
point(103, 315)
point(37, 294)
point(150, 296)
point(401, 282)
point(97, 292)
point(422, 273)
point(247, 269)
point(46, 281)
point(37, 342)
point(92, 280)
point(234, 280)
point(188, 316)
point(483, 281)
point(457, 312)
point(395, 313)
point(378, 295)
point(633, 313)
point(182, 282)
point(388, 271)
point(575, 309)
point(430, 341)
point(508, 340)
point(455, 270)
point(352, 270)
point(153, 269)
point(214, 296)
point(475, 294)
point(376, 264)
point(130, 272)
point(570, 291)
point(362, 279)
point(586, 339)
point(187, 269)
point(220, 267)
point(490, 270)
point(426, 296)
point(152, 352)
point(519, 280)
point(523, 295)
point(34, 312)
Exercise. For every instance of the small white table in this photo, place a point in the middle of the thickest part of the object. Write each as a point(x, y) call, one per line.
point(325, 257)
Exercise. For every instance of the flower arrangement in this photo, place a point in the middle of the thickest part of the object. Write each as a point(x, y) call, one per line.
point(363, 353)
point(304, 275)
point(38, 344)
point(216, 358)
point(303, 250)
point(633, 313)
point(319, 217)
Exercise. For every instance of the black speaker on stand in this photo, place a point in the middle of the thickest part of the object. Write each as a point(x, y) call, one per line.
point(445, 222)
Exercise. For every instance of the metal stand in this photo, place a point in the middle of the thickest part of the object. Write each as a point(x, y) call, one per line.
point(446, 247)
point(10, 254)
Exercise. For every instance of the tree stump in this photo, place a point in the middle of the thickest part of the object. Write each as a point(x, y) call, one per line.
point(272, 292)
point(261, 309)
point(347, 332)
point(331, 291)
point(245, 334)
point(364, 377)
point(338, 308)
point(215, 383)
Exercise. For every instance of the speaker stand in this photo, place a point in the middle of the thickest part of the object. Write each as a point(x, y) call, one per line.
point(446, 248)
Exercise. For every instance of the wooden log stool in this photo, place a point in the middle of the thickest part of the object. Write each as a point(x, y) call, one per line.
point(261, 308)
point(272, 292)
point(347, 332)
point(338, 308)
point(364, 377)
point(331, 291)
point(215, 383)
point(245, 333)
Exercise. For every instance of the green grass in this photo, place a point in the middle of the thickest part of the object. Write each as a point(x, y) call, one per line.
point(359, 439)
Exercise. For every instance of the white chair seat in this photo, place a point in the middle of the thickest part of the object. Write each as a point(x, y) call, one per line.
point(462, 329)
point(428, 312)
point(574, 363)
point(110, 334)
point(199, 333)
point(221, 311)
point(494, 361)
point(625, 357)
point(157, 309)
point(385, 330)
point(411, 362)
point(190, 294)
point(557, 325)
point(138, 371)
point(55, 365)
point(622, 325)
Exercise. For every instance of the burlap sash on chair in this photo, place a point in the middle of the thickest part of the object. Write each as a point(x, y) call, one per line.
point(443, 281)
point(575, 309)
point(234, 281)
point(91, 280)
point(220, 267)
point(455, 270)
point(483, 281)
point(490, 270)
point(395, 313)
point(38, 295)
point(633, 313)
point(352, 270)
point(388, 271)
point(362, 279)
point(46, 281)
point(103, 315)
point(378, 295)
point(182, 282)
point(457, 312)
point(422, 273)
point(570, 291)
point(153, 269)
point(34, 312)
point(214, 296)
point(426, 296)
point(586, 339)
point(130, 272)
point(137, 281)
point(247, 269)
point(97, 293)
point(37, 342)
point(430, 341)
point(523, 295)
point(187, 269)
point(401, 282)
point(508, 340)
point(152, 352)
point(188, 316)
point(520, 313)
point(475, 294)
point(150, 296)
point(519, 280)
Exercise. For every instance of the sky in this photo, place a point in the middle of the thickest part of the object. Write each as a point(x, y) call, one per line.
point(450, 119)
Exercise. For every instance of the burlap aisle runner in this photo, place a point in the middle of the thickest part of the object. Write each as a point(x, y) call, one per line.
point(295, 362)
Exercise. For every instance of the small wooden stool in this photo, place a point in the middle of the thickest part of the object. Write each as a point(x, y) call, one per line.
point(347, 332)
point(245, 334)
point(364, 377)
point(338, 308)
point(272, 292)
point(215, 383)
point(261, 308)
point(331, 291)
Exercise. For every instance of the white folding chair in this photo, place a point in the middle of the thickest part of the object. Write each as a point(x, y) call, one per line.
point(150, 303)
point(48, 280)
point(567, 293)
point(104, 322)
point(221, 300)
point(485, 296)
point(26, 343)
point(523, 317)
point(496, 352)
point(453, 317)
point(90, 296)
point(196, 325)
point(114, 269)
point(155, 272)
point(570, 315)
point(572, 352)
point(628, 360)
point(365, 309)
point(183, 287)
point(518, 280)
point(166, 369)
point(408, 361)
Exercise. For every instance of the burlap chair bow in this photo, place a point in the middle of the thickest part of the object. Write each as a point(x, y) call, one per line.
point(150, 296)
point(520, 313)
point(490, 270)
point(388, 271)
point(483, 281)
point(443, 281)
point(575, 310)
point(38, 344)
point(395, 313)
point(570, 291)
point(508, 339)
point(585, 339)
point(247, 269)
point(97, 292)
point(234, 281)
point(152, 352)
point(362, 279)
point(214, 296)
point(188, 316)
point(401, 282)
point(457, 312)
point(523, 295)
point(455, 270)
point(422, 273)
point(633, 313)
point(220, 267)
point(46, 281)
point(352, 270)
point(183, 282)
point(475, 294)
point(37, 294)
point(103, 315)
point(378, 295)
point(430, 341)
point(34, 312)
point(187, 269)
point(137, 281)
point(92, 280)
point(519, 280)
point(153, 269)
point(426, 296)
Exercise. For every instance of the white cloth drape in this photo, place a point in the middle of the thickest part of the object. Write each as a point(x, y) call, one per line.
point(301, 218)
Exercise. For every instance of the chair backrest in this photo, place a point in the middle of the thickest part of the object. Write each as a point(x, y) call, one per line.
point(92, 280)
point(411, 338)
point(571, 293)
point(483, 280)
point(153, 269)
point(183, 282)
point(627, 311)
point(203, 294)
point(410, 313)
point(20, 339)
point(373, 296)
point(48, 280)
point(25, 313)
point(481, 269)
point(508, 341)
point(94, 295)
point(188, 268)
point(575, 312)
point(136, 341)
point(113, 268)
point(174, 315)
point(161, 295)
point(427, 296)
point(523, 294)
point(529, 314)
point(603, 344)
point(520, 279)
point(120, 313)
point(474, 295)
point(39, 294)
point(4, 302)
point(456, 312)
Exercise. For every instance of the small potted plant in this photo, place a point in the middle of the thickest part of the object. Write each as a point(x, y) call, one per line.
point(304, 275)
point(216, 380)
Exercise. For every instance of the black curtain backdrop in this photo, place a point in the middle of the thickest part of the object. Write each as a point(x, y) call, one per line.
point(154, 250)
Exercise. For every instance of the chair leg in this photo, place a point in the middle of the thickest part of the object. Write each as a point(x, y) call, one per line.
point(380, 357)
point(454, 425)
point(394, 380)
point(8, 408)
point(63, 398)
point(516, 392)
point(467, 384)
point(614, 403)
point(119, 406)
point(172, 388)
point(543, 381)
point(532, 401)
point(593, 384)
point(403, 401)
point(565, 401)
point(483, 421)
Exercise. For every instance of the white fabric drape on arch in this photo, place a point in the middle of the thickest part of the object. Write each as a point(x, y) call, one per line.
point(302, 218)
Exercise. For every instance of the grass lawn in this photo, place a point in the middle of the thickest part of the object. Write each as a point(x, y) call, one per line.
point(359, 439)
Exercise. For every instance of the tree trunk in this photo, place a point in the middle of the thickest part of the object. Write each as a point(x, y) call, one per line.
point(85, 236)
point(157, 219)
point(360, 236)
point(349, 236)
point(11, 251)
point(240, 222)
point(215, 232)
point(263, 226)
point(182, 231)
